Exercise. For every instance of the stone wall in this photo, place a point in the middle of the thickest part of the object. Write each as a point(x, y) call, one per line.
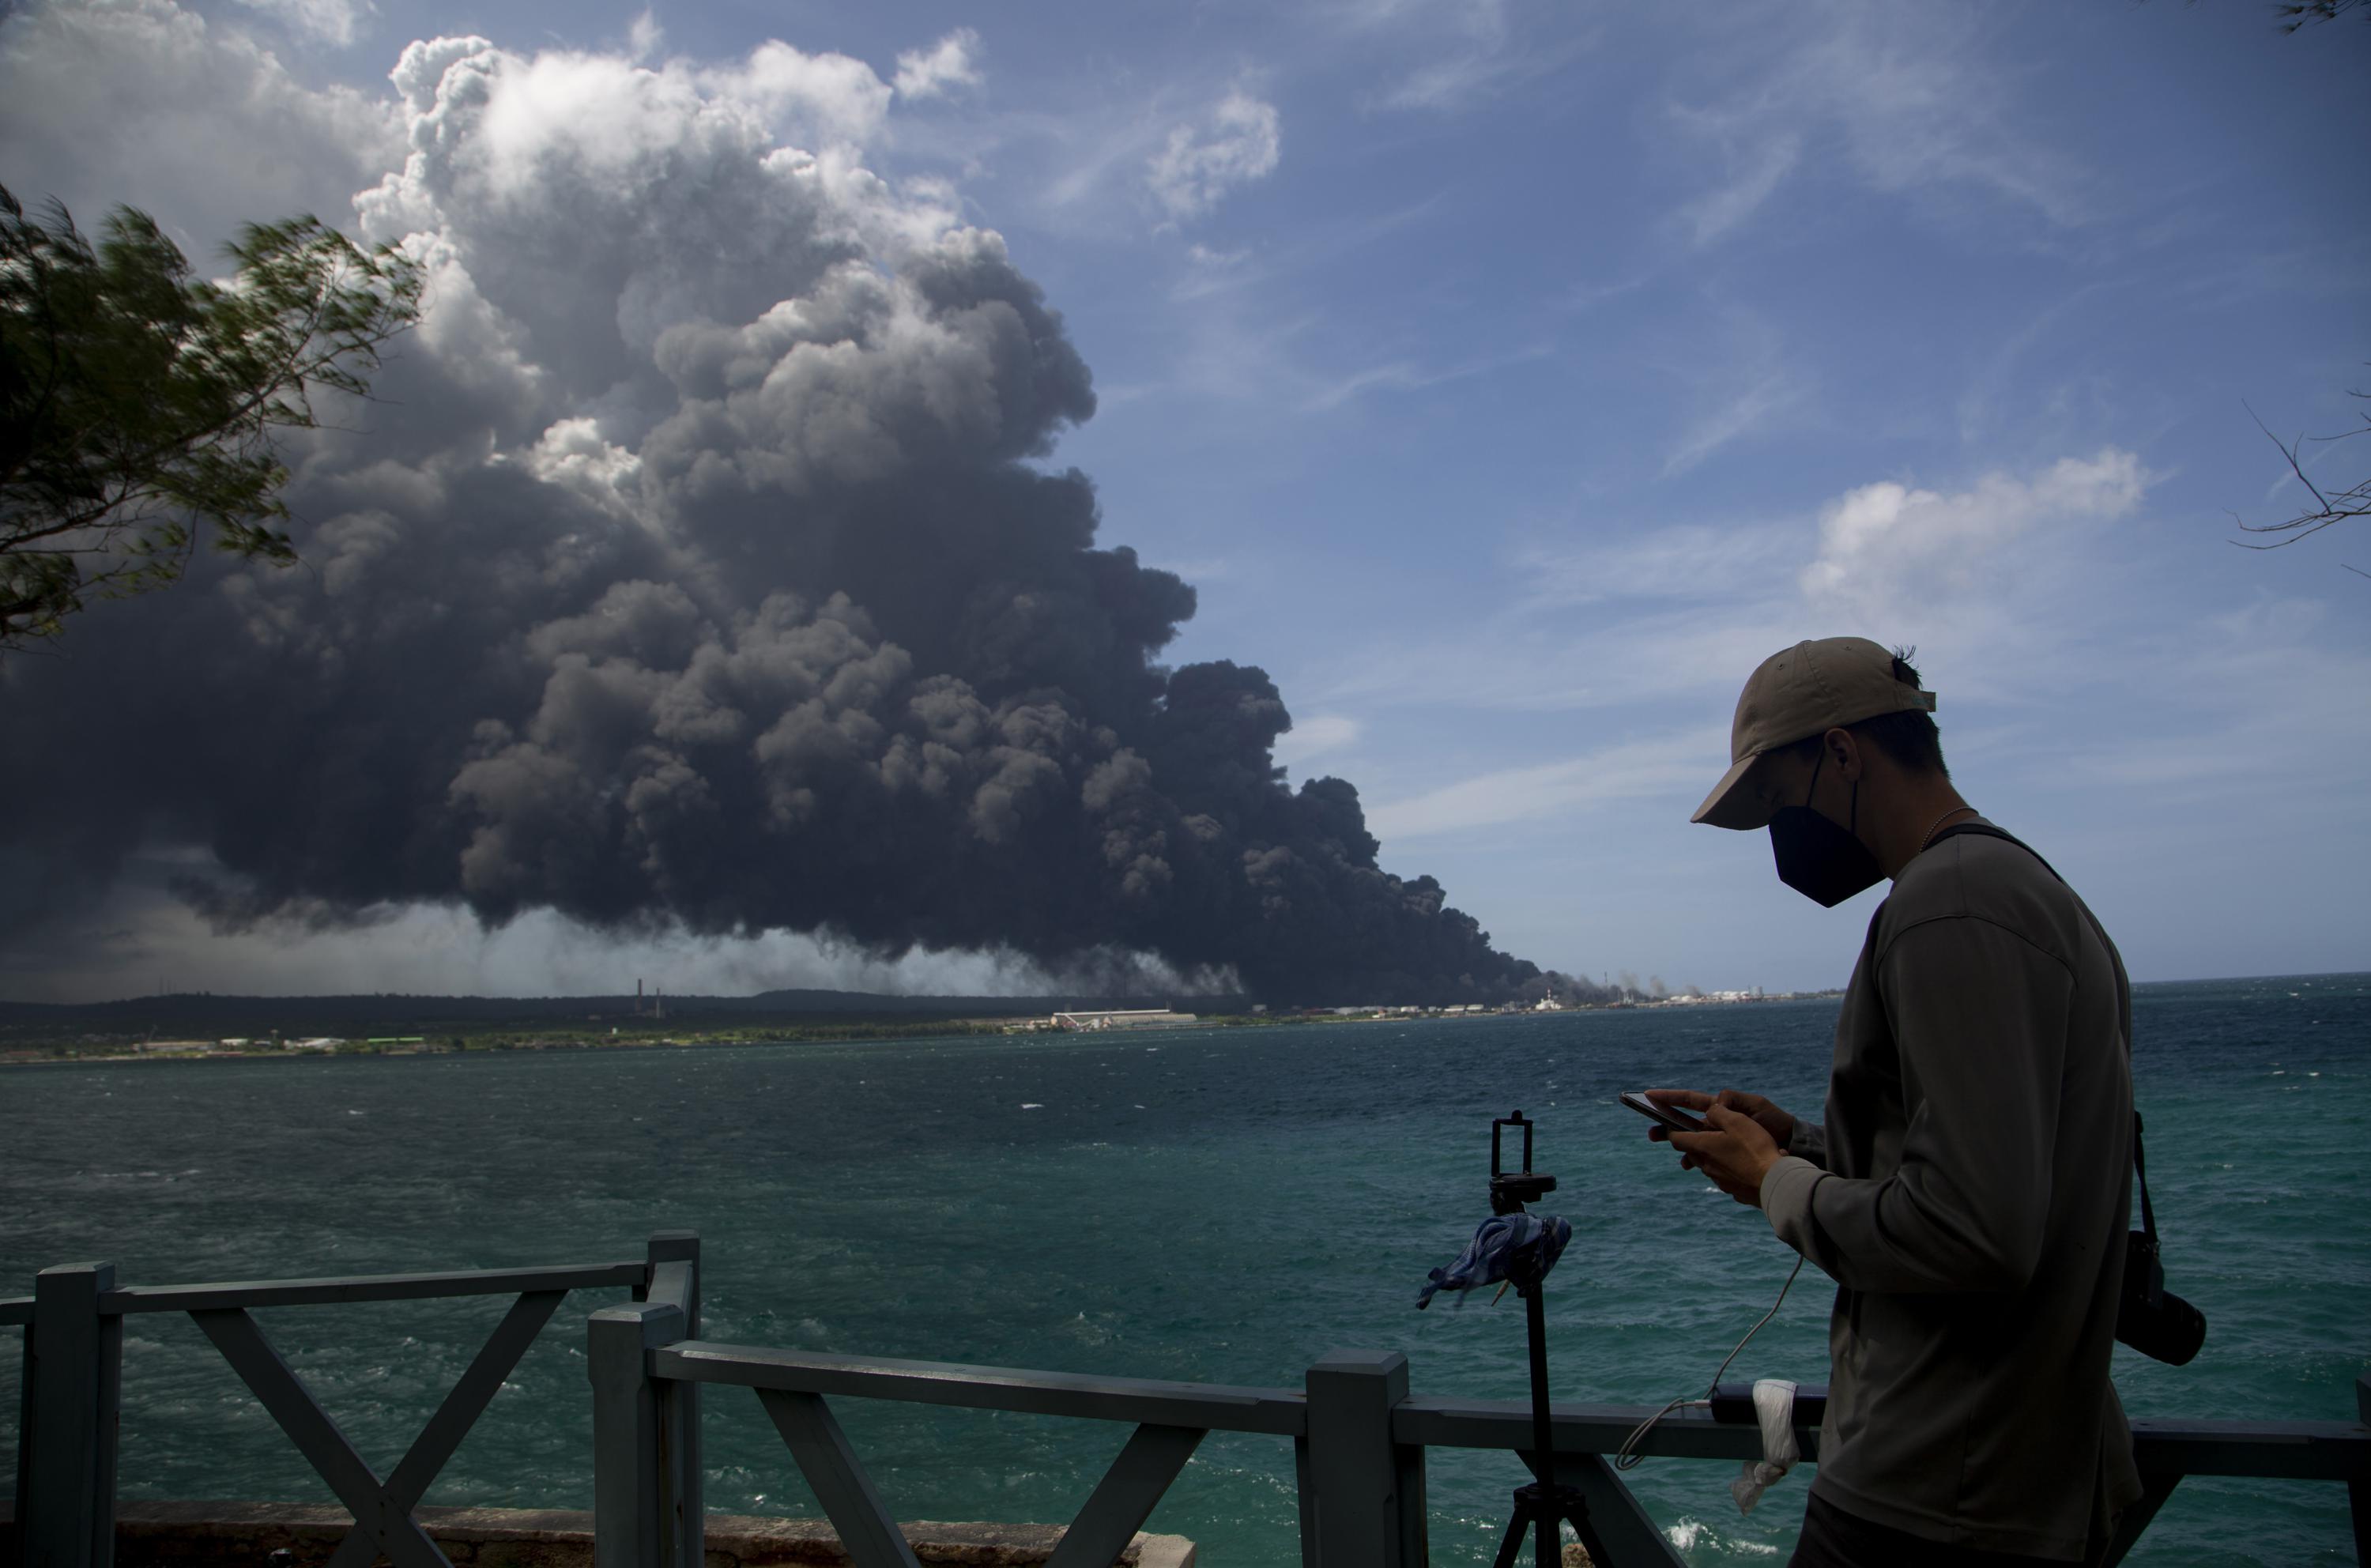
point(248, 1535)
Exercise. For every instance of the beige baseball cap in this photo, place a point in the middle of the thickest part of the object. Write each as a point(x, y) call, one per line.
point(1806, 690)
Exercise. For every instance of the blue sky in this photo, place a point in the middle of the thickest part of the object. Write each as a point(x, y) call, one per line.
point(1511, 379)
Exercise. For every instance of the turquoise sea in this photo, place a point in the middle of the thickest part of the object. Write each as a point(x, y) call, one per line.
point(1221, 1206)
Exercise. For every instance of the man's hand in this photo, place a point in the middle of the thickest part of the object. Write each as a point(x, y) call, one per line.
point(1779, 1125)
point(1741, 1146)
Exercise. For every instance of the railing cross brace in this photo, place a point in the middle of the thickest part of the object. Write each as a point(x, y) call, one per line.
point(382, 1511)
point(1113, 1513)
point(848, 1498)
point(1126, 1496)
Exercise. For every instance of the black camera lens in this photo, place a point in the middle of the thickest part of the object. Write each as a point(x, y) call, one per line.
point(2167, 1329)
point(2151, 1319)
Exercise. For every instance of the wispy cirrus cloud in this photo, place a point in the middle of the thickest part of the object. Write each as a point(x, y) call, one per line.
point(1755, 172)
point(1409, 375)
point(1765, 393)
point(1453, 55)
point(1740, 382)
point(1686, 563)
point(1658, 765)
point(1321, 246)
point(1901, 100)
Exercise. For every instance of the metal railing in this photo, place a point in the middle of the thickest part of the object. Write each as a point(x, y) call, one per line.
point(73, 1386)
point(1359, 1441)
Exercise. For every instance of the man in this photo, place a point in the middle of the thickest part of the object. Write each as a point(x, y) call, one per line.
point(1969, 1189)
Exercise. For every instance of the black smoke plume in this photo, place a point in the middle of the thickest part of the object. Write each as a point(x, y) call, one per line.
point(701, 566)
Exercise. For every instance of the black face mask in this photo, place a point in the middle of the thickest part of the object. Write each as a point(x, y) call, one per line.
point(1825, 863)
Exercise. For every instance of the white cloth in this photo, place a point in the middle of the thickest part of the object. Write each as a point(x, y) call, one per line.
point(1773, 1405)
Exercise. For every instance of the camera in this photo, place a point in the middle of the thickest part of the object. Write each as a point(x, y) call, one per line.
point(2151, 1319)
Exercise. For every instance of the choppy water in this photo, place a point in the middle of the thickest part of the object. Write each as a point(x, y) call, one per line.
point(1219, 1206)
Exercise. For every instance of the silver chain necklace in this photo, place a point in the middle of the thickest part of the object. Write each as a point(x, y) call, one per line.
point(1939, 820)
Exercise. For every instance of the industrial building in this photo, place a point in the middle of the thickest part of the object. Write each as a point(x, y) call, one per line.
point(1125, 1018)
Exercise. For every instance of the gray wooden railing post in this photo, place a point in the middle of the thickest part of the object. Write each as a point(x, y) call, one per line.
point(629, 1525)
point(674, 1282)
point(74, 1367)
point(1369, 1492)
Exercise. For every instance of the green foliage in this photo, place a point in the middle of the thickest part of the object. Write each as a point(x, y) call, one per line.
point(138, 403)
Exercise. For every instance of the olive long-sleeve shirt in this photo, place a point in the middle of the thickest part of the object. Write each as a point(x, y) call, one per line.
point(1970, 1193)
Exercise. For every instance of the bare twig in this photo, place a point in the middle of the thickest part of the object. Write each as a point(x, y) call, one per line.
point(2327, 510)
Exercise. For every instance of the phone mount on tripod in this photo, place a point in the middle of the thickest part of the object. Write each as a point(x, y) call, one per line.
point(1543, 1506)
point(1510, 1190)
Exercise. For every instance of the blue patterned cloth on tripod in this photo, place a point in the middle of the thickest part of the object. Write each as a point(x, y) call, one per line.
point(1518, 1246)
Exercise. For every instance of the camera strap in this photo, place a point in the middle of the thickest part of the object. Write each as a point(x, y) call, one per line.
point(2140, 1169)
point(2150, 1318)
point(1986, 830)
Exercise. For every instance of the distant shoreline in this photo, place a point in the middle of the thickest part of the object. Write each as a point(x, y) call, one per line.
point(475, 1039)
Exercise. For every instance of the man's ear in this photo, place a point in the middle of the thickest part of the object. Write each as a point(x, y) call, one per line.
point(1844, 754)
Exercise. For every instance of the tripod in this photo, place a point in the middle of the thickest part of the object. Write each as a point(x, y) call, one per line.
point(1542, 1505)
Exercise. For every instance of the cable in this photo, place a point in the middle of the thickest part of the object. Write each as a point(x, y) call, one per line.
point(1626, 1457)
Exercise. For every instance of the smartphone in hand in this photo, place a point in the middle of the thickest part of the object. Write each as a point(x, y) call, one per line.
point(1677, 1121)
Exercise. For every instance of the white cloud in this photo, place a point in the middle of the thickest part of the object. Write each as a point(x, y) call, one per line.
point(948, 63)
point(1239, 141)
point(324, 21)
point(1884, 547)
